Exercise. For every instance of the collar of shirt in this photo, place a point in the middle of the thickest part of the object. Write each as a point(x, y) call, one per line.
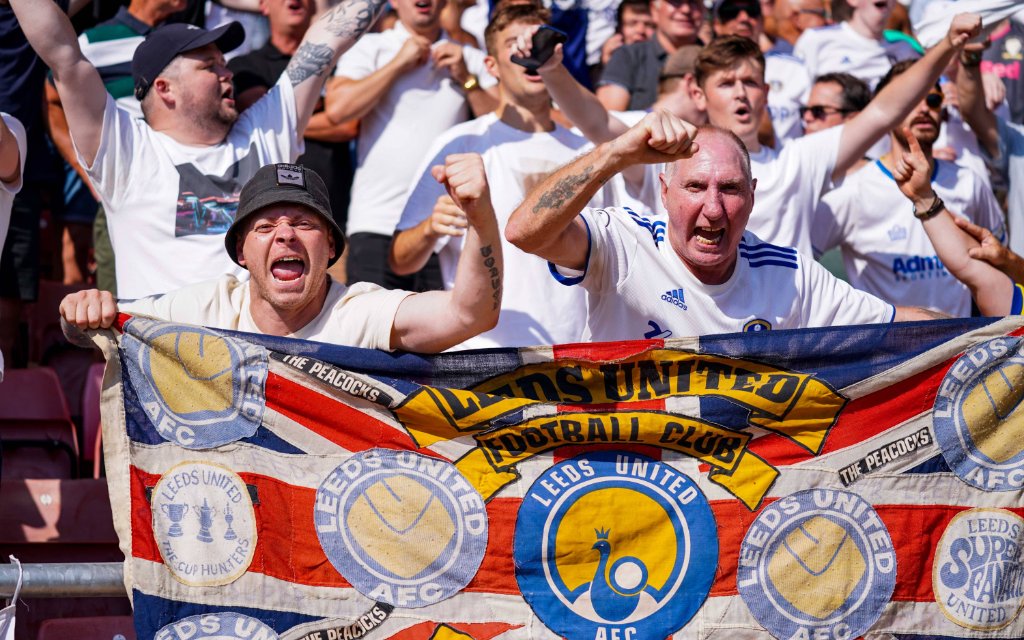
point(130, 21)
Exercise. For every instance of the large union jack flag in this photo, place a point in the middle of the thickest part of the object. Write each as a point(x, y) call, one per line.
point(822, 484)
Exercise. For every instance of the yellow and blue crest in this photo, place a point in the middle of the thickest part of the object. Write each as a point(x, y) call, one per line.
point(978, 416)
point(615, 545)
point(200, 389)
point(817, 564)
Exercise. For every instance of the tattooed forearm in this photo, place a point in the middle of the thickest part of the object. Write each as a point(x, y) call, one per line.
point(564, 190)
point(352, 18)
point(310, 60)
point(490, 264)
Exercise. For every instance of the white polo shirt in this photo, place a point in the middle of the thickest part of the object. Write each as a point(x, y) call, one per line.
point(358, 316)
point(640, 288)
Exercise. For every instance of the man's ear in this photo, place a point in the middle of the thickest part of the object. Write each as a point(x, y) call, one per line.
point(162, 90)
point(238, 252)
point(698, 96)
point(492, 66)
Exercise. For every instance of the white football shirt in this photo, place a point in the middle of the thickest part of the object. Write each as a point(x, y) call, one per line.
point(838, 48)
point(886, 250)
point(640, 288)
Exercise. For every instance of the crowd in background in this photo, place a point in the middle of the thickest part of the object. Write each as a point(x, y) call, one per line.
point(434, 80)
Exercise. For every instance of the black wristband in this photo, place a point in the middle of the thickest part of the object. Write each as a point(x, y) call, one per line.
point(936, 207)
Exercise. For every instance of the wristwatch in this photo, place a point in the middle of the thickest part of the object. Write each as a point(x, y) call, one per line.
point(970, 58)
point(937, 206)
point(470, 83)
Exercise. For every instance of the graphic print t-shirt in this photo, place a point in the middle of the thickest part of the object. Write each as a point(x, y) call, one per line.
point(169, 204)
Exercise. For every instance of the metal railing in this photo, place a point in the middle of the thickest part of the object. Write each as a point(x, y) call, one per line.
point(63, 580)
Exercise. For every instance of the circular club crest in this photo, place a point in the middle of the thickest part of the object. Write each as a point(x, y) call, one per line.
point(216, 626)
point(817, 564)
point(204, 523)
point(615, 545)
point(978, 417)
point(199, 389)
point(977, 577)
point(402, 528)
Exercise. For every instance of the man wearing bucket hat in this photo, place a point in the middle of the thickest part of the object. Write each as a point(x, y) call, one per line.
point(169, 181)
point(285, 235)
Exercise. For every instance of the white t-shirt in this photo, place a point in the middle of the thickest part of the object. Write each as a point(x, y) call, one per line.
point(169, 204)
point(640, 288)
point(790, 84)
point(534, 308)
point(790, 183)
point(838, 48)
point(886, 250)
point(395, 135)
point(358, 316)
point(8, 191)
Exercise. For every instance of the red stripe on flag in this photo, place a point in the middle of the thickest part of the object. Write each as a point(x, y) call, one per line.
point(860, 419)
point(287, 546)
point(336, 421)
point(915, 531)
point(605, 350)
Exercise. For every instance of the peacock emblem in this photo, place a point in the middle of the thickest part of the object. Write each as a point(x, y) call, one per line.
point(615, 592)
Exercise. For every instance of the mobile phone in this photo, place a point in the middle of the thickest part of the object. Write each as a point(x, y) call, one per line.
point(544, 41)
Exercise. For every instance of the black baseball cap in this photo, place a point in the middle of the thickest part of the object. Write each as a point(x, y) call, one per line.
point(165, 43)
point(284, 183)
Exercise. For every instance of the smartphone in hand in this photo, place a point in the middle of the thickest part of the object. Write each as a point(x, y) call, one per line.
point(544, 41)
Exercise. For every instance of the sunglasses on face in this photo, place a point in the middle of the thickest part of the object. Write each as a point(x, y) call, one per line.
point(730, 12)
point(934, 100)
point(820, 112)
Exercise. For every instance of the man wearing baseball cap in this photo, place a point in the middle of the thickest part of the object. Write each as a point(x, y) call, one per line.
point(285, 235)
point(170, 181)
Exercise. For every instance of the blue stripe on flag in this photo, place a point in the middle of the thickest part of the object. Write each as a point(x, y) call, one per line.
point(153, 613)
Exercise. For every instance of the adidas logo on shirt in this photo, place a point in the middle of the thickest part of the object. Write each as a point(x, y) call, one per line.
point(675, 296)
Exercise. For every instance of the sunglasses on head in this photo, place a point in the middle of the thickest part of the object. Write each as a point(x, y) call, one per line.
point(934, 100)
point(819, 112)
point(730, 12)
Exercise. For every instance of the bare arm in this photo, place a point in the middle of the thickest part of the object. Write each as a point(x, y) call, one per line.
point(448, 56)
point(411, 248)
point(60, 135)
point(321, 129)
point(992, 289)
point(332, 34)
point(973, 108)
point(898, 98)
point(10, 156)
point(613, 97)
point(546, 224)
point(436, 320)
point(350, 99)
point(50, 33)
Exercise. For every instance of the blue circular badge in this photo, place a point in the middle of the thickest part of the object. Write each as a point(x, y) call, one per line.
point(402, 528)
point(199, 389)
point(615, 545)
point(216, 626)
point(979, 418)
point(817, 564)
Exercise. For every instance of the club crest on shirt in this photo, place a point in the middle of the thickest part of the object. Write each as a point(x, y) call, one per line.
point(216, 626)
point(615, 545)
point(204, 523)
point(756, 325)
point(817, 564)
point(198, 388)
point(402, 528)
point(978, 416)
point(977, 579)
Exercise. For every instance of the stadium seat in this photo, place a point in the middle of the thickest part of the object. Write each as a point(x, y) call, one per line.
point(36, 430)
point(100, 628)
point(43, 319)
point(91, 410)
